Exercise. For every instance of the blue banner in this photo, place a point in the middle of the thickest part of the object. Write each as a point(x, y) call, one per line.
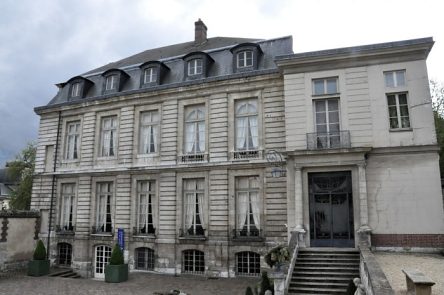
point(121, 238)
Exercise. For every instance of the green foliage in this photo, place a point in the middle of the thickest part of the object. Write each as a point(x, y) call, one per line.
point(265, 283)
point(116, 256)
point(279, 254)
point(40, 251)
point(437, 93)
point(248, 291)
point(22, 169)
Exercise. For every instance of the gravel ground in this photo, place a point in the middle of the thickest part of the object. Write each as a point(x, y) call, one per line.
point(432, 265)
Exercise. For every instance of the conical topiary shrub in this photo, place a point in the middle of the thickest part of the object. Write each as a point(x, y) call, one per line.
point(116, 256)
point(265, 283)
point(248, 291)
point(40, 251)
point(117, 270)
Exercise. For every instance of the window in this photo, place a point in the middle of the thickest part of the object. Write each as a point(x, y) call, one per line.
point(247, 206)
point(327, 123)
point(144, 258)
point(103, 210)
point(145, 196)
point(248, 263)
point(193, 262)
point(108, 136)
point(195, 129)
point(75, 89)
point(394, 78)
point(194, 191)
point(398, 110)
point(245, 59)
point(150, 75)
point(65, 254)
point(149, 126)
point(67, 207)
point(72, 140)
point(111, 82)
point(195, 67)
point(325, 86)
point(246, 125)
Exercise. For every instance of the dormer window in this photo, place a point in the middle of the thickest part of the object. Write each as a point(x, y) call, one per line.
point(111, 82)
point(75, 89)
point(246, 57)
point(78, 87)
point(150, 75)
point(197, 65)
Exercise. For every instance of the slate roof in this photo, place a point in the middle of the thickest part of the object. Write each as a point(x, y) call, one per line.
point(5, 178)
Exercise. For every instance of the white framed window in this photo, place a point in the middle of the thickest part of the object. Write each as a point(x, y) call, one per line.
point(248, 263)
point(394, 78)
point(108, 135)
point(150, 75)
point(193, 262)
point(67, 207)
point(246, 125)
point(146, 193)
point(148, 132)
point(194, 192)
point(247, 206)
point(398, 109)
point(75, 89)
point(111, 82)
point(195, 67)
point(72, 140)
point(245, 59)
point(325, 86)
point(103, 207)
point(327, 123)
point(194, 129)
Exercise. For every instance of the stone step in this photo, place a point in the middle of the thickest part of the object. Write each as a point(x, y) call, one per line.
point(333, 259)
point(59, 273)
point(325, 284)
point(327, 264)
point(70, 275)
point(325, 269)
point(303, 290)
point(298, 278)
point(349, 274)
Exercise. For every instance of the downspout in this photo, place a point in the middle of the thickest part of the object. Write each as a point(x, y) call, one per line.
point(53, 186)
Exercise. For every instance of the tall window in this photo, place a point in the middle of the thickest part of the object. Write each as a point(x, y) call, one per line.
point(398, 110)
point(111, 82)
point(193, 262)
point(75, 89)
point(145, 196)
point(245, 59)
point(327, 123)
point(72, 140)
point(108, 136)
point(248, 263)
point(150, 75)
point(195, 67)
point(247, 205)
point(394, 78)
point(194, 192)
point(65, 254)
point(195, 129)
point(67, 207)
point(149, 126)
point(144, 258)
point(325, 86)
point(103, 210)
point(246, 124)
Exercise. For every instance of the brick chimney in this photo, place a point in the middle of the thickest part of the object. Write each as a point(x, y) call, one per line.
point(200, 32)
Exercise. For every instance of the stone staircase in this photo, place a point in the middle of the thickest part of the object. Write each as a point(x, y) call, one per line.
point(324, 271)
point(64, 273)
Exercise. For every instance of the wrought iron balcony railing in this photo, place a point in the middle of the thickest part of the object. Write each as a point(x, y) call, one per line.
point(65, 229)
point(199, 233)
point(329, 140)
point(247, 154)
point(193, 158)
point(101, 230)
point(142, 231)
point(252, 234)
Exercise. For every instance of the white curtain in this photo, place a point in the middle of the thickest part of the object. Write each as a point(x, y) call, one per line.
point(106, 143)
point(254, 199)
point(154, 138)
point(242, 207)
point(200, 199)
point(101, 220)
point(189, 210)
point(143, 213)
point(144, 140)
point(65, 217)
point(112, 144)
point(190, 130)
point(201, 134)
point(253, 132)
point(241, 131)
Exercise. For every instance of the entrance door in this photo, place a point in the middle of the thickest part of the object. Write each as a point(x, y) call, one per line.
point(65, 254)
point(331, 209)
point(103, 254)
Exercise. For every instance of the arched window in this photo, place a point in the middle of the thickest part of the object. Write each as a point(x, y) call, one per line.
point(64, 256)
point(248, 263)
point(193, 261)
point(144, 258)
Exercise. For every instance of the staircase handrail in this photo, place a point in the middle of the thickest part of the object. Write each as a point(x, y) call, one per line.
point(293, 246)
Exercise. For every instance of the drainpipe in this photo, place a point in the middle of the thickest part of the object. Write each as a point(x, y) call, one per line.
point(53, 186)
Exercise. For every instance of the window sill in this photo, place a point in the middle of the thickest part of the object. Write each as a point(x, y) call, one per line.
point(193, 238)
point(70, 161)
point(401, 130)
point(326, 95)
point(147, 236)
point(149, 155)
point(102, 235)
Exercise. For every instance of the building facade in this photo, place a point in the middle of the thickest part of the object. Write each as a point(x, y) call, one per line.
point(204, 155)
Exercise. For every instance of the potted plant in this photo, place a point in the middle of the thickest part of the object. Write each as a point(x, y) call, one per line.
point(277, 257)
point(116, 271)
point(39, 266)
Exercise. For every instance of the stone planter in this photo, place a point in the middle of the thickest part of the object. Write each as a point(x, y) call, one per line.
point(116, 273)
point(37, 268)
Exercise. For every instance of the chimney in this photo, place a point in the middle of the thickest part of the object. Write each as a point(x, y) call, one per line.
point(200, 32)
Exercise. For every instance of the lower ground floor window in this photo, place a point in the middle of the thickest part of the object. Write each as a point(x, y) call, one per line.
point(193, 262)
point(65, 254)
point(248, 263)
point(145, 258)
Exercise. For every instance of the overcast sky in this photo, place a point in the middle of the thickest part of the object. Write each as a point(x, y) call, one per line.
point(45, 42)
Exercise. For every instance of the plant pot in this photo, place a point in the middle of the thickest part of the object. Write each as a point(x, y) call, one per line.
point(116, 273)
point(37, 268)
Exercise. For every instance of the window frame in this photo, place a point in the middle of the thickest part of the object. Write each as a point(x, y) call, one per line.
point(67, 225)
point(155, 125)
point(153, 75)
point(188, 109)
point(394, 74)
point(198, 229)
point(256, 52)
point(77, 140)
point(113, 84)
point(195, 66)
point(149, 259)
point(251, 229)
point(114, 136)
point(249, 116)
point(398, 111)
point(110, 199)
point(198, 261)
point(245, 59)
point(253, 268)
point(76, 89)
point(325, 86)
point(152, 197)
